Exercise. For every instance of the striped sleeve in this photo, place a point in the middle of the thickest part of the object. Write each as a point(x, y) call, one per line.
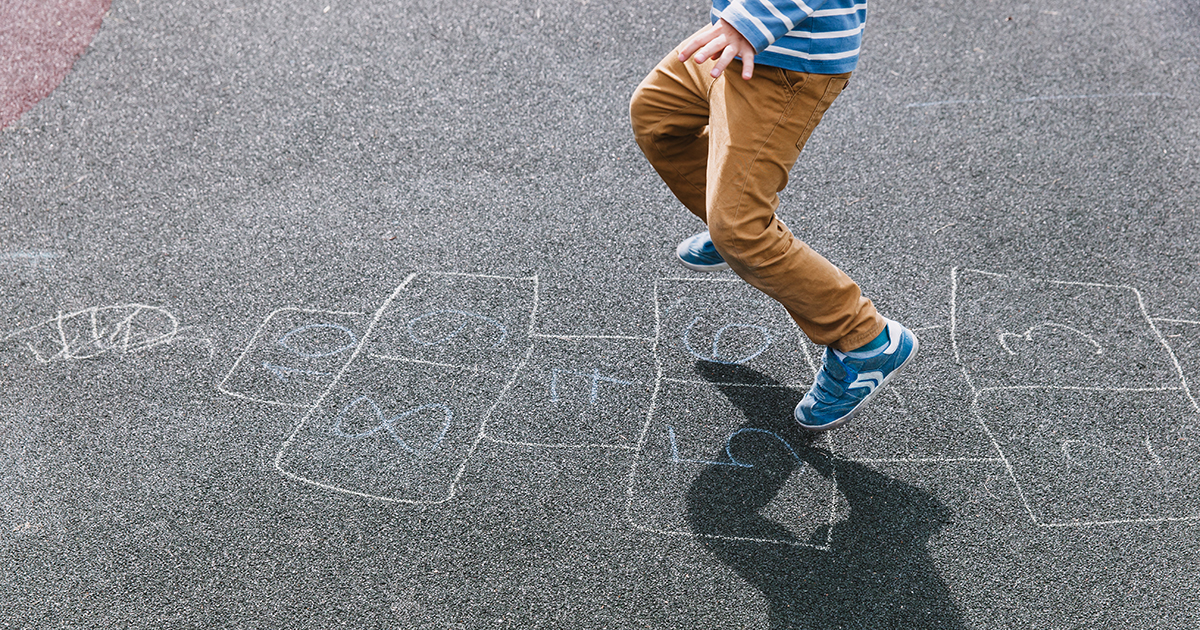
point(762, 22)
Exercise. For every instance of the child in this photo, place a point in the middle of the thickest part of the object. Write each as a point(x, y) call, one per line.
point(724, 144)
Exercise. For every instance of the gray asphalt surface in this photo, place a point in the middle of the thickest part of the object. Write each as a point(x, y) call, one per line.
point(346, 314)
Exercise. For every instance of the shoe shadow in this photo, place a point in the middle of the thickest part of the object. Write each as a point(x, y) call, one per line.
point(876, 571)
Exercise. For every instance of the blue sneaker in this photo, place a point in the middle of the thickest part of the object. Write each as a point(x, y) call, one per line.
point(847, 381)
point(698, 254)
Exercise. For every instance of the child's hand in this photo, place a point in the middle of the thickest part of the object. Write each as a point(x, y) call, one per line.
point(722, 42)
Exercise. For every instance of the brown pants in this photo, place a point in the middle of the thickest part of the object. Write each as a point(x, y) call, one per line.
point(724, 146)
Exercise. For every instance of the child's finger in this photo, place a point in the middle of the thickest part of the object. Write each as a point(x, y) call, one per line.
point(695, 43)
point(711, 50)
point(727, 56)
point(747, 65)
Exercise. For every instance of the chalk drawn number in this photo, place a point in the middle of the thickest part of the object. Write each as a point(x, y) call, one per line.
point(717, 355)
point(594, 378)
point(733, 460)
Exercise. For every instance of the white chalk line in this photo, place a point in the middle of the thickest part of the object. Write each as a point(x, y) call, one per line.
point(1037, 99)
point(254, 339)
point(1176, 321)
point(833, 493)
point(462, 466)
point(1008, 467)
point(682, 381)
point(954, 319)
point(588, 337)
point(928, 460)
point(33, 256)
point(978, 392)
point(337, 379)
point(808, 357)
point(264, 401)
point(564, 445)
point(1171, 353)
point(533, 310)
point(1183, 379)
point(642, 437)
point(694, 535)
point(1129, 521)
point(1009, 388)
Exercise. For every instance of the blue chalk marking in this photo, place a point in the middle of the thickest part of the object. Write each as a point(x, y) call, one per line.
point(716, 357)
point(594, 376)
point(285, 340)
point(281, 372)
point(412, 334)
point(389, 424)
point(733, 461)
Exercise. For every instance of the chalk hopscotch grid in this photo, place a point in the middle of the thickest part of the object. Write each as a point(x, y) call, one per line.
point(652, 408)
point(978, 392)
point(482, 434)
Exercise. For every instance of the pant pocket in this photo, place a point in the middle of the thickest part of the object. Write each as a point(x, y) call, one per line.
point(833, 88)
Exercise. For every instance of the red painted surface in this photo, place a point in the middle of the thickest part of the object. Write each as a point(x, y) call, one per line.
point(39, 42)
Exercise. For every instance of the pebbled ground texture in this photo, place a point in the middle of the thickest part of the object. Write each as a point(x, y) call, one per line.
point(353, 314)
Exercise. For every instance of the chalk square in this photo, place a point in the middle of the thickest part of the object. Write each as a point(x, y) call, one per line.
point(724, 464)
point(458, 320)
point(924, 414)
point(1098, 456)
point(578, 392)
point(1013, 332)
point(294, 356)
point(727, 322)
point(393, 430)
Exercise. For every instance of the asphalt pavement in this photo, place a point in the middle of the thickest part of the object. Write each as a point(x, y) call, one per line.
point(347, 314)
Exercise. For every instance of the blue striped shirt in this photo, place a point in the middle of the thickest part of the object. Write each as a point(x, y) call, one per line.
point(821, 37)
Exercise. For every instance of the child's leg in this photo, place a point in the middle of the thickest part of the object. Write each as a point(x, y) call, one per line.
point(669, 111)
point(756, 130)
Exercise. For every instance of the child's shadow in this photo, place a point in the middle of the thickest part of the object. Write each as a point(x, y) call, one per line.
point(876, 573)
